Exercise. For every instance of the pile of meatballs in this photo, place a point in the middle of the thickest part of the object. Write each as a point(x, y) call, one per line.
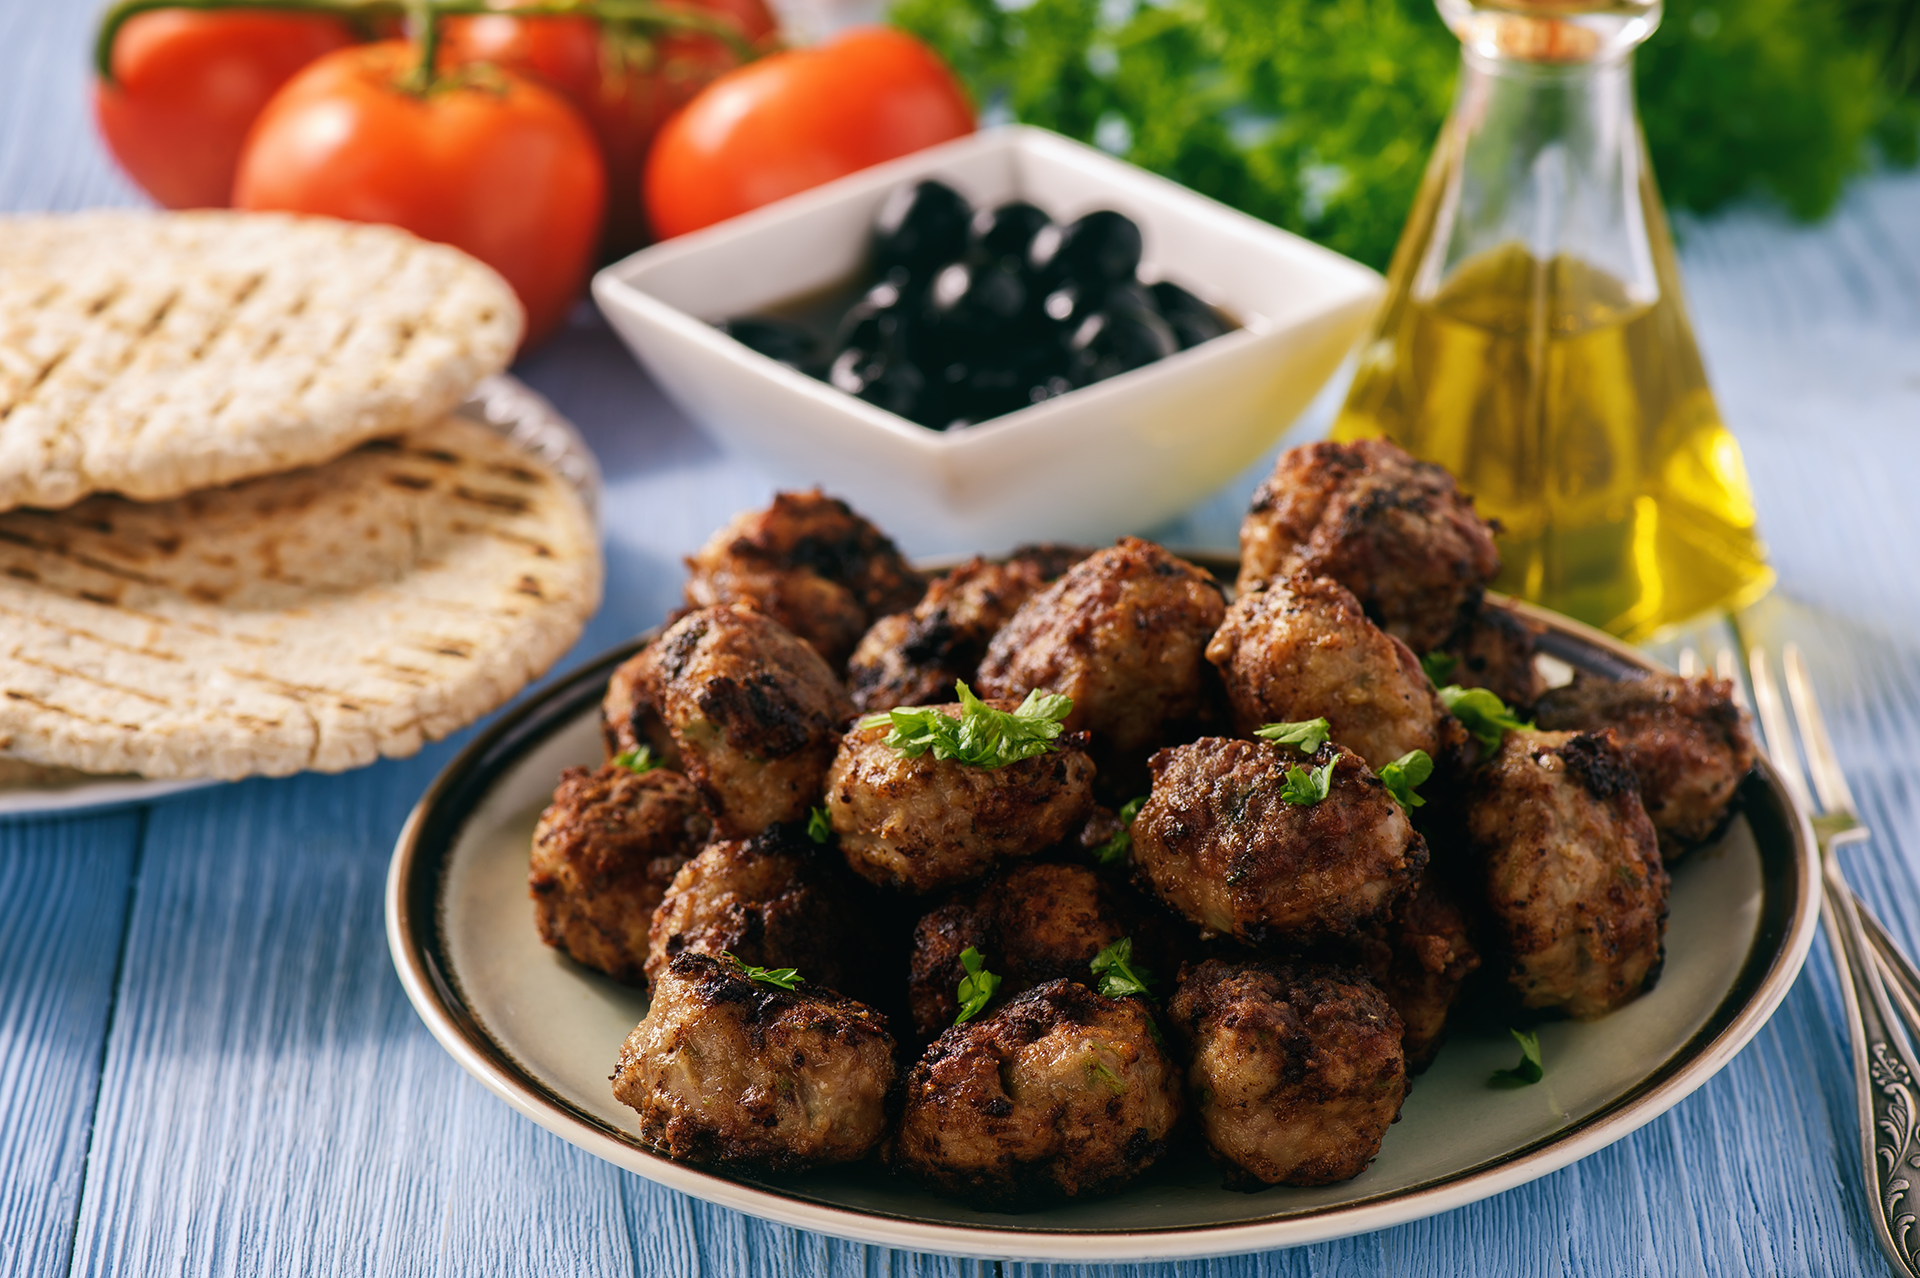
point(1300, 958)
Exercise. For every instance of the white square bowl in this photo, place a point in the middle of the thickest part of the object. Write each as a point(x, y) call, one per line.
point(1117, 456)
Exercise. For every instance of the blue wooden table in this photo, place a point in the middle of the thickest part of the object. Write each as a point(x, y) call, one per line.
point(207, 1065)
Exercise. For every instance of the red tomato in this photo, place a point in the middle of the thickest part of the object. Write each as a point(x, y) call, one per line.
point(187, 87)
point(493, 164)
point(625, 84)
point(796, 119)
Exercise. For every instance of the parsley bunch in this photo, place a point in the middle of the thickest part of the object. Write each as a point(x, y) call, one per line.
point(1115, 973)
point(1403, 774)
point(982, 736)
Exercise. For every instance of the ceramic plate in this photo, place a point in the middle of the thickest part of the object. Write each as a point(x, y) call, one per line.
point(503, 404)
point(543, 1033)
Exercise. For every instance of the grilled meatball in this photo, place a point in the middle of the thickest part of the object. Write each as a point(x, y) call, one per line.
point(1572, 872)
point(731, 1072)
point(1396, 532)
point(777, 900)
point(1061, 1093)
point(1494, 649)
point(1302, 649)
point(913, 658)
point(1123, 634)
point(1295, 1071)
point(1685, 739)
point(811, 564)
point(1418, 958)
point(603, 854)
point(925, 823)
point(753, 713)
point(628, 721)
point(1031, 924)
point(1220, 845)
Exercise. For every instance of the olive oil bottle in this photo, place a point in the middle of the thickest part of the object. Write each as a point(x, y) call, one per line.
point(1535, 342)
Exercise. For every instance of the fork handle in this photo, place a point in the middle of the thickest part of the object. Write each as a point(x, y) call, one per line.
point(1886, 1079)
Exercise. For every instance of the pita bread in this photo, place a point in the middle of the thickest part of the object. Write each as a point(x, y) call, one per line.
point(151, 354)
point(317, 619)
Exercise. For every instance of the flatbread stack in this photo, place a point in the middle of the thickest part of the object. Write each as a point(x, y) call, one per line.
point(240, 531)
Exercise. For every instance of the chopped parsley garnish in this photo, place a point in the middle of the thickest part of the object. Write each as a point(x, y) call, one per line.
point(781, 978)
point(982, 736)
point(1308, 734)
point(1483, 715)
point(1439, 667)
point(639, 760)
point(1118, 977)
point(976, 987)
point(1404, 773)
point(1529, 1070)
point(1117, 848)
point(820, 826)
point(1307, 786)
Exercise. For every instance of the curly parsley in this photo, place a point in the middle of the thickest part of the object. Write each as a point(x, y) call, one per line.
point(1307, 786)
point(1404, 773)
point(781, 978)
point(982, 736)
point(1484, 715)
point(1117, 848)
point(1308, 734)
point(976, 987)
point(1117, 976)
point(640, 760)
point(1529, 1070)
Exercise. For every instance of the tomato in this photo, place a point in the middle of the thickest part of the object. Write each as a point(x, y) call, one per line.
point(796, 119)
point(624, 83)
point(486, 161)
point(187, 87)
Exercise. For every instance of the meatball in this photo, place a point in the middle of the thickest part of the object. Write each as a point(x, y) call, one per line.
point(1061, 1093)
point(1302, 649)
point(603, 854)
point(628, 722)
point(732, 1072)
point(811, 564)
point(1031, 924)
point(1219, 843)
point(1295, 1072)
point(1124, 634)
point(1685, 739)
point(1418, 959)
point(924, 823)
point(913, 658)
point(1494, 649)
point(1395, 531)
point(753, 714)
point(1572, 872)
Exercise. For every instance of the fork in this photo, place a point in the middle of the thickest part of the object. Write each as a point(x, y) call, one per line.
point(1879, 985)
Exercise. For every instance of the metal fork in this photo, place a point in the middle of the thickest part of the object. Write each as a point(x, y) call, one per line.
point(1879, 984)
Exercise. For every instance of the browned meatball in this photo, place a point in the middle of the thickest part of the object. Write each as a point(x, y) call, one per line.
point(1685, 739)
point(1296, 1072)
point(1061, 1093)
point(1572, 872)
point(924, 823)
point(1418, 958)
point(1220, 844)
point(603, 854)
point(1302, 649)
point(1031, 924)
point(1124, 634)
point(913, 658)
point(1396, 532)
point(1494, 649)
point(811, 564)
point(754, 714)
point(731, 1072)
point(777, 900)
point(627, 721)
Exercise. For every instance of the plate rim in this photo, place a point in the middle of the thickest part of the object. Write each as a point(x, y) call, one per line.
point(413, 896)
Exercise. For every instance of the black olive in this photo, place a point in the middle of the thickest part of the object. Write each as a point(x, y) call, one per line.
point(1191, 319)
point(1101, 248)
point(919, 227)
point(977, 302)
point(1117, 339)
point(893, 384)
point(776, 339)
point(1006, 231)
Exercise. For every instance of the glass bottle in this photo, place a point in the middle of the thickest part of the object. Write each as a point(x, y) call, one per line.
point(1534, 340)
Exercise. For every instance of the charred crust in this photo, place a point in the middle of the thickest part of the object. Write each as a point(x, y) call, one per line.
point(1598, 766)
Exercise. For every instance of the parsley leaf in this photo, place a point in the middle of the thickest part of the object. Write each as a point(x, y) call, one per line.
point(1117, 848)
point(819, 825)
point(781, 978)
point(1307, 786)
point(1439, 667)
point(982, 736)
point(1118, 977)
point(976, 987)
point(1404, 773)
point(639, 760)
point(1308, 734)
point(1483, 715)
point(1529, 1070)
